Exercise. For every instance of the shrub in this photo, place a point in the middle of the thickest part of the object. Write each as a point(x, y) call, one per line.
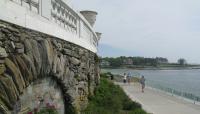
point(47, 111)
point(138, 111)
point(111, 99)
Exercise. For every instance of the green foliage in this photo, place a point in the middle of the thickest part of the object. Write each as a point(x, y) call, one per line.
point(114, 62)
point(138, 111)
point(138, 61)
point(96, 59)
point(77, 77)
point(107, 75)
point(111, 99)
point(130, 105)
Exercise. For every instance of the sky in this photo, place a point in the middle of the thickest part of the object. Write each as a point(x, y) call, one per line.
point(149, 28)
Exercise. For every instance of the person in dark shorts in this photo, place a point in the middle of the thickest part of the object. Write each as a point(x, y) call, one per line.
point(142, 82)
point(124, 78)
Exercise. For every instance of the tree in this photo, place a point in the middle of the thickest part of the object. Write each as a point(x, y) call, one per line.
point(182, 61)
point(115, 62)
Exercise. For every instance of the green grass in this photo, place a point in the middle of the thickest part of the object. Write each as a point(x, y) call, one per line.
point(111, 99)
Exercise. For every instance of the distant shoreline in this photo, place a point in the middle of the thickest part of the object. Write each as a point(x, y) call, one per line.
point(153, 68)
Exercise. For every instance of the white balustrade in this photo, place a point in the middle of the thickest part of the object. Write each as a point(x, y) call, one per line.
point(65, 17)
point(32, 5)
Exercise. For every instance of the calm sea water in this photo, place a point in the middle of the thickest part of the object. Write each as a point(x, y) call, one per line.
point(180, 81)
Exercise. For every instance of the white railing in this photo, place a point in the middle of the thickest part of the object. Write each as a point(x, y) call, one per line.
point(64, 16)
point(32, 5)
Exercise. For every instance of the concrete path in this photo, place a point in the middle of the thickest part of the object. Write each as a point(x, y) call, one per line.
point(157, 102)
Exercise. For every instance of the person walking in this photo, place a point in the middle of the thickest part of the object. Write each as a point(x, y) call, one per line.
point(142, 82)
point(124, 78)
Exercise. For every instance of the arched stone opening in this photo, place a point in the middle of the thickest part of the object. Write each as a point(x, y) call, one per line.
point(43, 95)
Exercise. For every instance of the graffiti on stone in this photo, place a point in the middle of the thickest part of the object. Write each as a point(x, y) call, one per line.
point(41, 95)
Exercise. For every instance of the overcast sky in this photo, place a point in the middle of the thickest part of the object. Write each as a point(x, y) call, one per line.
point(150, 28)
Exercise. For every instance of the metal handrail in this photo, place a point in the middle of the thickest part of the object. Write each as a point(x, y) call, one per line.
point(182, 94)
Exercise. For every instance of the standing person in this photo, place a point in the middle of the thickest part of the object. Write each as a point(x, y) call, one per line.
point(142, 82)
point(125, 78)
point(112, 77)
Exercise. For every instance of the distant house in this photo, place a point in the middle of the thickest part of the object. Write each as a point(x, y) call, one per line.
point(161, 60)
point(182, 61)
point(127, 61)
point(104, 63)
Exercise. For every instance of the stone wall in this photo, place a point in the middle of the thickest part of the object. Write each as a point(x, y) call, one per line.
point(27, 56)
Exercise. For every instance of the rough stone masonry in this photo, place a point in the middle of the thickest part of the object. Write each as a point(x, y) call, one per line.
point(27, 56)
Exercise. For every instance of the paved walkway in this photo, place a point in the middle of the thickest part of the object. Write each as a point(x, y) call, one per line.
point(158, 102)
